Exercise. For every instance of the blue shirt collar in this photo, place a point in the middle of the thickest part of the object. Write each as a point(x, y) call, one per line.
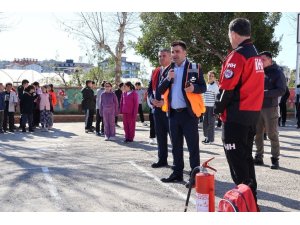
point(181, 65)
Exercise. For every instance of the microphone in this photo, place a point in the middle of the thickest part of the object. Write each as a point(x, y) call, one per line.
point(172, 66)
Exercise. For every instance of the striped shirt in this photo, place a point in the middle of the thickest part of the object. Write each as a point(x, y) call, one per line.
point(210, 94)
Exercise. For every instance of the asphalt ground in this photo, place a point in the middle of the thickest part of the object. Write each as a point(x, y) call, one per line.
point(68, 170)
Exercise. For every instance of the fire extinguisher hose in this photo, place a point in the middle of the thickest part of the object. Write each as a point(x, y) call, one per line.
point(191, 182)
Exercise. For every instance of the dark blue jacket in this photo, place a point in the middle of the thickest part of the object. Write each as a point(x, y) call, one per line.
point(275, 85)
point(196, 78)
point(2, 103)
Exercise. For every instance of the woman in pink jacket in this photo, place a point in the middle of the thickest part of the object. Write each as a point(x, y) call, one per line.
point(129, 108)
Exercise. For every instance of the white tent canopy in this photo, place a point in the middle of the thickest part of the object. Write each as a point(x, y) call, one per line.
point(16, 77)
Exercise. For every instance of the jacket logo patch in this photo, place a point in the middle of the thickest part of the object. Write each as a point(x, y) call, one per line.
point(229, 147)
point(231, 65)
point(228, 74)
point(193, 79)
point(259, 65)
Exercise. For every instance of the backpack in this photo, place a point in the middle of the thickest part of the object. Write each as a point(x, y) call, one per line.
point(238, 199)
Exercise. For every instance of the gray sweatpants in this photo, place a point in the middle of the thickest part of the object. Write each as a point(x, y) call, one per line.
point(268, 122)
point(209, 124)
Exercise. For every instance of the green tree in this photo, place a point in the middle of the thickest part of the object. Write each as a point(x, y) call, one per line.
point(206, 34)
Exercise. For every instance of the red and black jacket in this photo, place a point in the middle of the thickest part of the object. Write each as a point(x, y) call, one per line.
point(241, 86)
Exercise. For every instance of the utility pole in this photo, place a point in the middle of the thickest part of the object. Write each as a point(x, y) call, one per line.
point(298, 51)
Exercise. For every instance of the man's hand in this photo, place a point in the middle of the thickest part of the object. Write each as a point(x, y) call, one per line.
point(190, 88)
point(171, 74)
point(160, 103)
point(157, 103)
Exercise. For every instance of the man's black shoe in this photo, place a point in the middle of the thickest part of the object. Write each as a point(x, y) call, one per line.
point(258, 161)
point(275, 163)
point(172, 178)
point(159, 165)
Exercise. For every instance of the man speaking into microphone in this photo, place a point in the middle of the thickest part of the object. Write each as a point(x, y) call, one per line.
point(182, 89)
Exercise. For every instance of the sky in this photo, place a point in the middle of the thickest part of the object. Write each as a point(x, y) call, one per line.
point(38, 35)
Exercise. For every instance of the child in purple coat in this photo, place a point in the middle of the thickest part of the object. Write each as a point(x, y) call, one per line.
point(129, 108)
point(108, 111)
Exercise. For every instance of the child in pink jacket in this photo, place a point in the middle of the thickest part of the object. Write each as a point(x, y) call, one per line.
point(129, 108)
point(45, 109)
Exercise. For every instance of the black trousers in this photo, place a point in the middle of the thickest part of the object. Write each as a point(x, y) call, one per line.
point(182, 124)
point(99, 119)
point(27, 117)
point(161, 124)
point(8, 117)
point(238, 144)
point(36, 117)
point(152, 125)
point(141, 113)
point(282, 112)
point(89, 116)
point(298, 114)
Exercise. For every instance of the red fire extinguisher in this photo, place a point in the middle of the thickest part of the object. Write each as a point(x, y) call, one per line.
point(204, 186)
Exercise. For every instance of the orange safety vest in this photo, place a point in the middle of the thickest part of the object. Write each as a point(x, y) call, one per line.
point(196, 100)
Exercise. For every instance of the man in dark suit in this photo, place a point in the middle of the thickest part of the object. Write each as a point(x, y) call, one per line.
point(185, 79)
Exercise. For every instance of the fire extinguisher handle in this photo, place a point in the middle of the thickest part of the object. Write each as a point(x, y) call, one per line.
point(205, 164)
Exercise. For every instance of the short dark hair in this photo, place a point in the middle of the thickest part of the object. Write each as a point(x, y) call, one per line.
point(138, 83)
point(87, 82)
point(8, 84)
point(25, 81)
point(298, 85)
point(29, 88)
point(266, 53)
point(110, 84)
point(121, 85)
point(240, 26)
point(179, 43)
point(36, 83)
point(103, 83)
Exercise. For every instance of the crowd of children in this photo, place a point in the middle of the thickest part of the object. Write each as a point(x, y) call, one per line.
point(36, 106)
point(126, 100)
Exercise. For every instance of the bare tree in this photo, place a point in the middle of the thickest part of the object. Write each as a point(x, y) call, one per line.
point(106, 31)
point(3, 22)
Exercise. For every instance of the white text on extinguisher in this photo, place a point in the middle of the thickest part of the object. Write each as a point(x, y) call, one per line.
point(202, 202)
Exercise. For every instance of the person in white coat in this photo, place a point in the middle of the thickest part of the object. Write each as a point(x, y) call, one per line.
point(209, 117)
point(11, 101)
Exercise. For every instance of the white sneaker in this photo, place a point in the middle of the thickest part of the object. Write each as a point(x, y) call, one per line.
point(152, 141)
point(112, 138)
point(106, 138)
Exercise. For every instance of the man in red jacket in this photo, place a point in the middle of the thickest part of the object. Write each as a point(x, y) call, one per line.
point(240, 101)
point(160, 118)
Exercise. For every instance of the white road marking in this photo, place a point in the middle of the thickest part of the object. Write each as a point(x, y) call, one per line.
point(181, 195)
point(52, 189)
